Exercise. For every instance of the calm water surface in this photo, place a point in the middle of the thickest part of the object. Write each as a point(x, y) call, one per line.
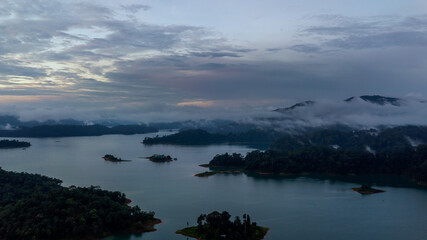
point(293, 208)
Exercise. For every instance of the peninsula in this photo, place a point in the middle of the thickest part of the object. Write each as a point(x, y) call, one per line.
point(38, 207)
point(334, 152)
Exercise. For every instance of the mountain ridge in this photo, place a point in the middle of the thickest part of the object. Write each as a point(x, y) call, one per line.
point(373, 99)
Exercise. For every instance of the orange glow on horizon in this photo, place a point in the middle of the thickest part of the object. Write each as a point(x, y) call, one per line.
point(196, 103)
point(24, 98)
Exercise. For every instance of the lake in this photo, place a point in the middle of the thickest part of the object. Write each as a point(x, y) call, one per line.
point(292, 207)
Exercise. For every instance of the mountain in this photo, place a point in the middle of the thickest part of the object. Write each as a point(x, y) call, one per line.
point(361, 112)
point(297, 105)
point(377, 99)
point(373, 99)
point(9, 121)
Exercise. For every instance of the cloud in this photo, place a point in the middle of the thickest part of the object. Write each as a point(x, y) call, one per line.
point(134, 8)
point(274, 49)
point(356, 113)
point(16, 70)
point(196, 103)
point(370, 32)
point(305, 48)
point(215, 54)
point(104, 60)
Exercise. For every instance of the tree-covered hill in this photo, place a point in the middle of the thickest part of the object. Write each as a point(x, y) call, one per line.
point(202, 137)
point(75, 130)
point(38, 207)
point(391, 151)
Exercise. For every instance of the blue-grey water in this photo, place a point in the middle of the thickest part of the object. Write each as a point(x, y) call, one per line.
point(293, 208)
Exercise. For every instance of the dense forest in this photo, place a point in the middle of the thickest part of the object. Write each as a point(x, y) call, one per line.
point(38, 207)
point(13, 144)
point(75, 130)
point(202, 137)
point(215, 226)
point(391, 151)
point(112, 158)
point(161, 158)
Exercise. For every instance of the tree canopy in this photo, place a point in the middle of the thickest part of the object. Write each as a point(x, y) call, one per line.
point(38, 207)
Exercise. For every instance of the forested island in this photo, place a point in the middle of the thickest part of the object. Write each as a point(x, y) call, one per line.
point(161, 158)
point(365, 189)
point(112, 158)
point(215, 226)
point(38, 207)
point(202, 137)
point(13, 144)
point(76, 130)
point(391, 151)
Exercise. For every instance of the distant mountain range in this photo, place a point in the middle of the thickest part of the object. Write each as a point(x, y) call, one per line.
point(373, 99)
point(75, 130)
point(377, 99)
point(9, 121)
point(366, 111)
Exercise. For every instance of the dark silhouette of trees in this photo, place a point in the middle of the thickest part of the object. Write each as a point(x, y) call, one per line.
point(37, 207)
point(13, 144)
point(331, 151)
point(75, 130)
point(216, 225)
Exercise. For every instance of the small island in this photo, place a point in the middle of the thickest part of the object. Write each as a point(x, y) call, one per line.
point(205, 174)
point(13, 144)
point(112, 158)
point(217, 225)
point(365, 189)
point(161, 158)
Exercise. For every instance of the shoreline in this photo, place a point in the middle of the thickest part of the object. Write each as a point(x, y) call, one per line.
point(187, 232)
point(405, 180)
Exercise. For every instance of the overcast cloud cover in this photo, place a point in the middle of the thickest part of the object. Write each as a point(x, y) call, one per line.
point(175, 60)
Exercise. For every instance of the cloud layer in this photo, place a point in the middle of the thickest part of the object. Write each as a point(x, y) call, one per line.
point(94, 60)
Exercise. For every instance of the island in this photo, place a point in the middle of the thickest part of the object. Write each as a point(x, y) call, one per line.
point(366, 189)
point(205, 174)
point(112, 158)
point(13, 144)
point(217, 225)
point(161, 158)
point(33, 206)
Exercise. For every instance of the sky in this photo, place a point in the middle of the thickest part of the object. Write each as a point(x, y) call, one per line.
point(173, 60)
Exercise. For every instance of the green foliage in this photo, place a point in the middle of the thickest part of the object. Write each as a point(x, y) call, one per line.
point(13, 144)
point(217, 225)
point(352, 152)
point(37, 207)
point(227, 160)
point(110, 157)
point(160, 158)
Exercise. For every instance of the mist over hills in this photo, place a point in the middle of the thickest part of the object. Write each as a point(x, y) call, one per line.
point(373, 99)
point(367, 111)
point(363, 112)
